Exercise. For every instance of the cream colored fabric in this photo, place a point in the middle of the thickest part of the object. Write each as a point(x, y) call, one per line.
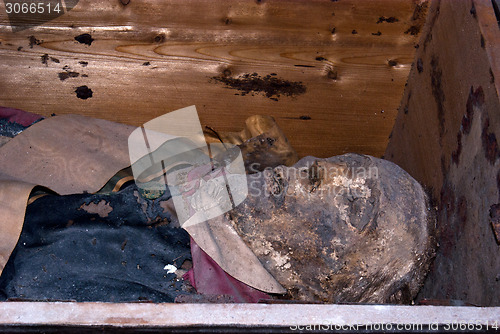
point(13, 198)
point(68, 154)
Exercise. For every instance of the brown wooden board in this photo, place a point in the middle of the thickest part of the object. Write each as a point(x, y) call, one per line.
point(446, 137)
point(147, 58)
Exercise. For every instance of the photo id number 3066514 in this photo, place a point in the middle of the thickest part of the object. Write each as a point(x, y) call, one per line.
point(32, 7)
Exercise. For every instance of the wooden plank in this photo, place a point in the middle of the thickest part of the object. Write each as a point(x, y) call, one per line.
point(242, 317)
point(353, 82)
point(446, 137)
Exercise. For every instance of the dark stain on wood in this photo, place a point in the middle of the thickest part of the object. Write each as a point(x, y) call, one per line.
point(54, 60)
point(320, 58)
point(83, 63)
point(407, 103)
point(391, 19)
point(498, 184)
point(300, 65)
point(433, 20)
point(496, 9)
point(160, 38)
point(455, 155)
point(227, 72)
point(492, 76)
point(490, 144)
point(146, 63)
point(33, 41)
point(475, 99)
point(473, 11)
point(447, 208)
point(438, 93)
point(413, 30)
point(84, 39)
point(420, 65)
point(354, 32)
point(270, 86)
point(332, 74)
point(67, 74)
point(482, 41)
point(418, 19)
point(392, 62)
point(495, 221)
point(45, 59)
point(378, 33)
point(305, 117)
point(462, 212)
point(83, 92)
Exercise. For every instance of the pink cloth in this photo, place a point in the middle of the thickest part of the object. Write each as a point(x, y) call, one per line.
point(209, 279)
point(18, 116)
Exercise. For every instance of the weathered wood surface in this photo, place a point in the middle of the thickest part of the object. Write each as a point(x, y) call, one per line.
point(353, 81)
point(446, 137)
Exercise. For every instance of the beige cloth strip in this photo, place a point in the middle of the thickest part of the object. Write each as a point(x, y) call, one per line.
point(68, 154)
point(13, 198)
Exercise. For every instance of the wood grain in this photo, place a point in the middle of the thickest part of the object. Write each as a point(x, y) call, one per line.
point(446, 136)
point(354, 82)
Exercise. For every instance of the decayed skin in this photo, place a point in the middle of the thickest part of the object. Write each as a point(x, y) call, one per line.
point(329, 232)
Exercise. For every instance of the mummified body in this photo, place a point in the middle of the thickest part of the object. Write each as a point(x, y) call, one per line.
point(350, 228)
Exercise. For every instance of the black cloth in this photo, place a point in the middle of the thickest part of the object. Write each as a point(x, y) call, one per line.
point(66, 253)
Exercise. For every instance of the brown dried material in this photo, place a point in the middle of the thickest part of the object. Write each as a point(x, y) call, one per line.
point(68, 74)
point(83, 92)
point(418, 19)
point(34, 41)
point(271, 86)
point(391, 19)
point(45, 59)
point(350, 228)
point(84, 39)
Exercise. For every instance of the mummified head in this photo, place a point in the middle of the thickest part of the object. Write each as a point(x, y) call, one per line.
point(351, 228)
